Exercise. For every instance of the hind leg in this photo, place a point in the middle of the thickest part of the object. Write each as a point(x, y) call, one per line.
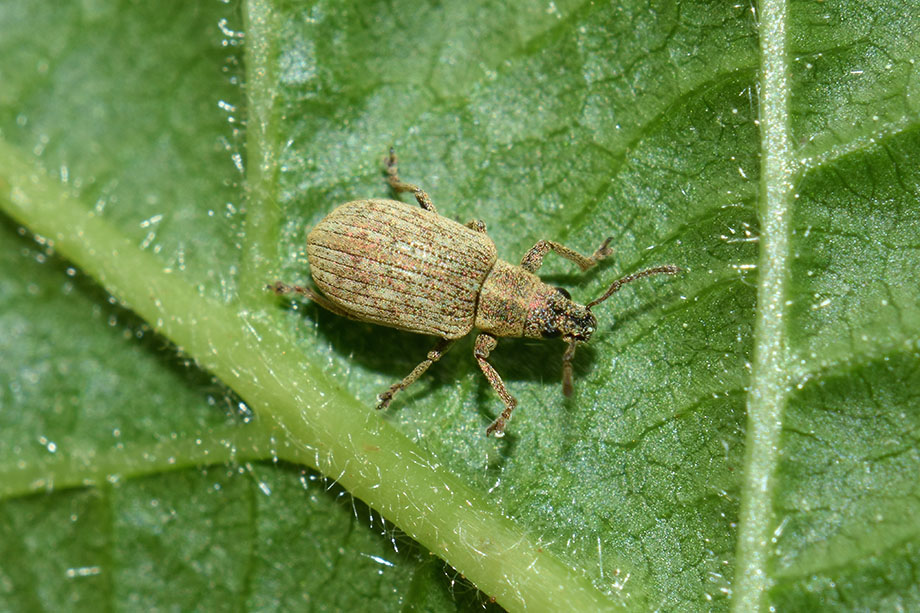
point(433, 356)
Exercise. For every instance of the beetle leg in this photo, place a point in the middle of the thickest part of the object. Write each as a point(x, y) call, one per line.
point(398, 186)
point(476, 224)
point(533, 259)
point(567, 387)
point(283, 288)
point(485, 343)
point(433, 356)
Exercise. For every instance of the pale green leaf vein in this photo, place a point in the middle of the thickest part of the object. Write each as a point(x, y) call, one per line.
point(767, 397)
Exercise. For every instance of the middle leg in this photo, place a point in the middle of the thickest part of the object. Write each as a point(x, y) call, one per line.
point(485, 343)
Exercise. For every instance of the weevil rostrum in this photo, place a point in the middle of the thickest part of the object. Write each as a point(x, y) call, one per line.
point(407, 267)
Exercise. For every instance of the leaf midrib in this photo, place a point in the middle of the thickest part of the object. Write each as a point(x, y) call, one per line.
point(768, 389)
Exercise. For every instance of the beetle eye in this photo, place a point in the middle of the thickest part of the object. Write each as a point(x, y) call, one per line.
point(564, 292)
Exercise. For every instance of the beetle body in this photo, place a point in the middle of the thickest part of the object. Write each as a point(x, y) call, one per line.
point(396, 265)
point(407, 267)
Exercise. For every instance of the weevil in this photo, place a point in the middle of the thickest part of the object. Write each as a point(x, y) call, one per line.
point(407, 267)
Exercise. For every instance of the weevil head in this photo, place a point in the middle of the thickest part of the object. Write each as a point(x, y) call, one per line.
point(556, 315)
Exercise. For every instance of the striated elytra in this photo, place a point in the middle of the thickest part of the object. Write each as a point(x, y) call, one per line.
point(389, 263)
point(406, 267)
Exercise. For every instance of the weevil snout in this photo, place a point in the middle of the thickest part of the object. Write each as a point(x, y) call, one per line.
point(579, 323)
point(559, 316)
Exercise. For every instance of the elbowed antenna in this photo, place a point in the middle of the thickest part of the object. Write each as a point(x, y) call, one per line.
point(648, 272)
point(567, 387)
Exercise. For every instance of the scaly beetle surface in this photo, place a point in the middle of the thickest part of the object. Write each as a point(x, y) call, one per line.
point(386, 262)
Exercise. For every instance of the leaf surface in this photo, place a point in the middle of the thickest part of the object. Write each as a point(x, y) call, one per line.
point(162, 419)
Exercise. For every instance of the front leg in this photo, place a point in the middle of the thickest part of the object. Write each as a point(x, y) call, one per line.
point(433, 356)
point(485, 343)
point(533, 259)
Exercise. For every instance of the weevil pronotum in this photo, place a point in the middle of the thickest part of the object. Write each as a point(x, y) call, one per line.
point(406, 267)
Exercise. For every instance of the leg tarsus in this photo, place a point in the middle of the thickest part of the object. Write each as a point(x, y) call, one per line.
point(476, 224)
point(282, 289)
point(383, 400)
point(398, 186)
point(603, 251)
point(533, 259)
point(485, 343)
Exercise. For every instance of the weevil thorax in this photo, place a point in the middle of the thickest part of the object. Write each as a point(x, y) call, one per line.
point(514, 302)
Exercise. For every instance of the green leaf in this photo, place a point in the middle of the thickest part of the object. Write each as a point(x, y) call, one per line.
point(744, 435)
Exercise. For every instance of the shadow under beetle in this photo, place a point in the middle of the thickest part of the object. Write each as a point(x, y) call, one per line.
point(389, 263)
